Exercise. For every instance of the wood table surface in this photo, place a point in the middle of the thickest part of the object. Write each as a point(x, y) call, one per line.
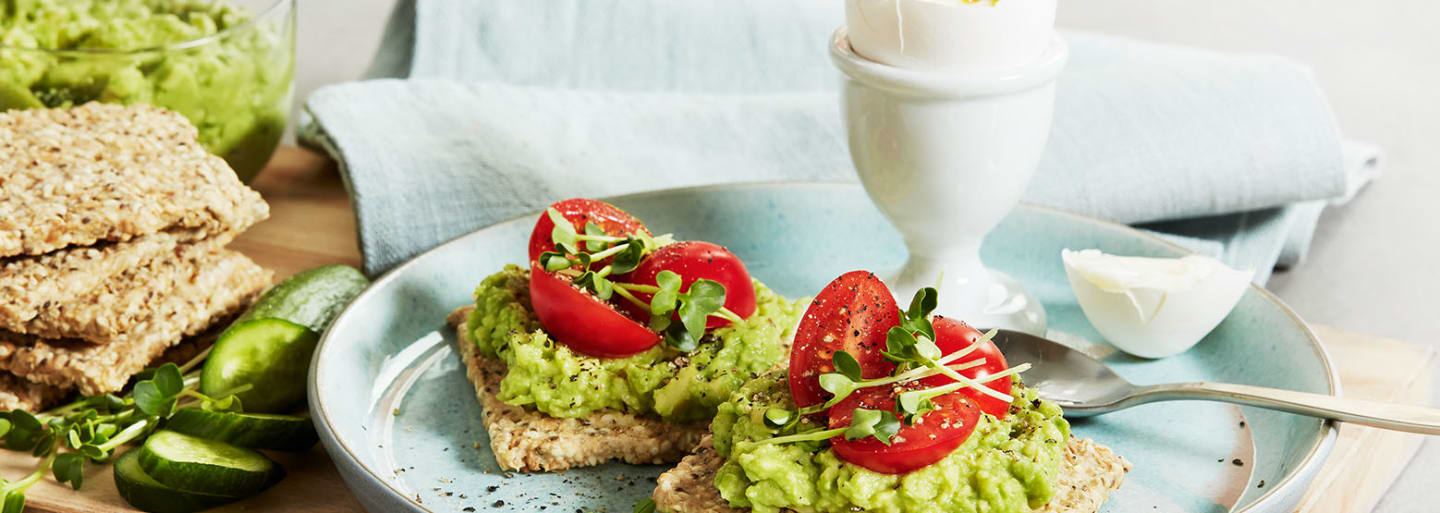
point(311, 224)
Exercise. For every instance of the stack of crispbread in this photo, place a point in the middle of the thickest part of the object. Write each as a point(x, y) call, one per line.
point(113, 226)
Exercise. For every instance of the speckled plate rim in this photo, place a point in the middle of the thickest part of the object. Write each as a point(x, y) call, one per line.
point(348, 456)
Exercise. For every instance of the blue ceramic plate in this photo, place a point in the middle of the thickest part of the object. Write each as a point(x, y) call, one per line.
point(400, 420)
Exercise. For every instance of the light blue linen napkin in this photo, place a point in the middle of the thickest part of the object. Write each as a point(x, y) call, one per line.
point(513, 104)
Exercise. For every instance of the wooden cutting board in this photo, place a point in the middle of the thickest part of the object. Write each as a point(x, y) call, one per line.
point(311, 224)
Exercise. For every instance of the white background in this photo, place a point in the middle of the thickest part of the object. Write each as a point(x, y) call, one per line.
point(1375, 266)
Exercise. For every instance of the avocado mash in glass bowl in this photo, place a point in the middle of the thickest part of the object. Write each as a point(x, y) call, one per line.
point(226, 65)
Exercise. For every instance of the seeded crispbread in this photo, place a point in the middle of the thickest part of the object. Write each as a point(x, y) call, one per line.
point(119, 303)
point(529, 441)
point(102, 172)
point(1087, 475)
point(30, 283)
point(18, 394)
point(223, 282)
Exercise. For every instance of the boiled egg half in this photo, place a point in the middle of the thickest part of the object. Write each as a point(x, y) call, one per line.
point(1153, 307)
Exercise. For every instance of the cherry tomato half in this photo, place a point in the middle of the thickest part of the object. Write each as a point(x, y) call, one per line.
point(694, 260)
point(583, 322)
point(952, 335)
point(931, 438)
point(852, 313)
point(579, 211)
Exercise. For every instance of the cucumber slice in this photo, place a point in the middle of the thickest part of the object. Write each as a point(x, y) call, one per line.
point(272, 356)
point(248, 430)
point(147, 494)
point(311, 298)
point(269, 346)
point(198, 465)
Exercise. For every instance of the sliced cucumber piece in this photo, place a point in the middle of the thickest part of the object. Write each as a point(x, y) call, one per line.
point(147, 494)
point(248, 430)
point(311, 298)
point(271, 356)
point(198, 465)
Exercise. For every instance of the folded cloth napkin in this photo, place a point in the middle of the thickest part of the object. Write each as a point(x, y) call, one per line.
point(512, 104)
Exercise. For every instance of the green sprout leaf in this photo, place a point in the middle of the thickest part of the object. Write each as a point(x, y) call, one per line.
point(629, 258)
point(927, 349)
point(837, 384)
point(923, 303)
point(646, 505)
point(705, 297)
point(594, 230)
point(590, 280)
point(44, 444)
point(168, 380)
point(900, 346)
point(69, 468)
point(14, 502)
point(846, 365)
point(659, 323)
point(231, 403)
point(663, 301)
point(563, 234)
point(880, 424)
point(778, 418)
point(914, 402)
point(150, 400)
point(4, 427)
point(552, 261)
point(95, 453)
point(677, 337)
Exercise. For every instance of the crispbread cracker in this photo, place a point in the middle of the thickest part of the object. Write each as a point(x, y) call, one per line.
point(102, 172)
point(530, 441)
point(18, 394)
point(118, 304)
point(224, 284)
point(1087, 475)
point(28, 284)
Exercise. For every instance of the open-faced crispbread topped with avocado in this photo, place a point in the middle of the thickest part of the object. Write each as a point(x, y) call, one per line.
point(888, 410)
point(617, 328)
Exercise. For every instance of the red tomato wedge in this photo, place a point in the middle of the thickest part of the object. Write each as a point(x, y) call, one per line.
point(852, 313)
point(952, 335)
point(580, 211)
point(934, 435)
point(694, 260)
point(583, 322)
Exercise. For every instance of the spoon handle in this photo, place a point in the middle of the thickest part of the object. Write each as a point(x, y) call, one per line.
point(1401, 417)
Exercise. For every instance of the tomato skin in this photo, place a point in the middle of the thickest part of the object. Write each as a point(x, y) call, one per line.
point(579, 211)
point(853, 313)
point(952, 335)
point(694, 260)
point(934, 435)
point(583, 322)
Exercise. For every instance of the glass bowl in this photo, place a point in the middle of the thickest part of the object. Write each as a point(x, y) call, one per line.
point(234, 82)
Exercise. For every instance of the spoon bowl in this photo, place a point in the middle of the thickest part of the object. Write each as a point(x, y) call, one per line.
point(1083, 386)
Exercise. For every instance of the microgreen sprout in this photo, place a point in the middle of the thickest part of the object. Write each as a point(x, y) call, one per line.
point(693, 307)
point(93, 427)
point(880, 424)
point(912, 348)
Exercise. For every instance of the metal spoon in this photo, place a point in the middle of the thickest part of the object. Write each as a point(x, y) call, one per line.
point(1083, 387)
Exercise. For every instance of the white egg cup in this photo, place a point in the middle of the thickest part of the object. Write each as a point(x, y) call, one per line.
point(946, 155)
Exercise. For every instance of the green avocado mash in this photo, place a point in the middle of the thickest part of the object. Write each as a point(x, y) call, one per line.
point(661, 381)
point(235, 89)
point(1006, 466)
